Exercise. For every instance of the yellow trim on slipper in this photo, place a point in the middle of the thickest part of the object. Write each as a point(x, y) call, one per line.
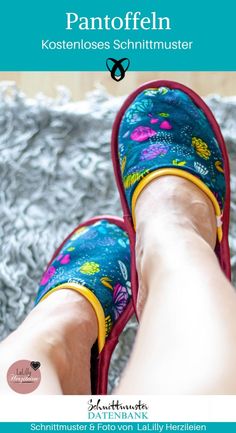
point(84, 291)
point(181, 173)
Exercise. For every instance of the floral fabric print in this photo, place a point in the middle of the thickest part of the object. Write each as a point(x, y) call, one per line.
point(164, 128)
point(97, 257)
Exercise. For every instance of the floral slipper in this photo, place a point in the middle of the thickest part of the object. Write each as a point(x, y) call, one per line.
point(164, 128)
point(95, 261)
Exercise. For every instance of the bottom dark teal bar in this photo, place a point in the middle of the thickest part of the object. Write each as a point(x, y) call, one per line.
point(159, 427)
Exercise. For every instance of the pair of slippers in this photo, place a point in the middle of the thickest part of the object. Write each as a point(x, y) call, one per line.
point(163, 128)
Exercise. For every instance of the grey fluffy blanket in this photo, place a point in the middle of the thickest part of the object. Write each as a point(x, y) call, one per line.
point(55, 171)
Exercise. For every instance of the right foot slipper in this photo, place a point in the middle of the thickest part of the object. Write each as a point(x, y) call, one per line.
point(94, 260)
point(164, 128)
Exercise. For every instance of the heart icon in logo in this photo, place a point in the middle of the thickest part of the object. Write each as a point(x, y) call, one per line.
point(35, 365)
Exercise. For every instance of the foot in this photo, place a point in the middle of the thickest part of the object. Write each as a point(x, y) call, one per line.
point(94, 261)
point(169, 209)
point(164, 132)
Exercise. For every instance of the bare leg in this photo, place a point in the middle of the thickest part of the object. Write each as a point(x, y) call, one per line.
point(59, 333)
point(186, 343)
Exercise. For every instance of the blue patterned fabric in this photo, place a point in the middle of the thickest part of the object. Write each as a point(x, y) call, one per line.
point(164, 128)
point(97, 257)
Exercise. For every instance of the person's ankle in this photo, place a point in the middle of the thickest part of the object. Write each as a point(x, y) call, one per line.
point(171, 215)
point(171, 204)
point(65, 329)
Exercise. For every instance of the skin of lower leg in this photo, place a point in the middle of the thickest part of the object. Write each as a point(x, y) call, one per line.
point(59, 333)
point(187, 333)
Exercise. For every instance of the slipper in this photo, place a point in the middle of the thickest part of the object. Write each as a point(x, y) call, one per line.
point(164, 128)
point(94, 260)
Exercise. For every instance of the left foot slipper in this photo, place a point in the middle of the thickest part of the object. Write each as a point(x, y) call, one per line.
point(94, 260)
point(164, 128)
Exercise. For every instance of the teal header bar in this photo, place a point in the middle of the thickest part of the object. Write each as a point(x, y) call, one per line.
point(118, 427)
point(155, 35)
